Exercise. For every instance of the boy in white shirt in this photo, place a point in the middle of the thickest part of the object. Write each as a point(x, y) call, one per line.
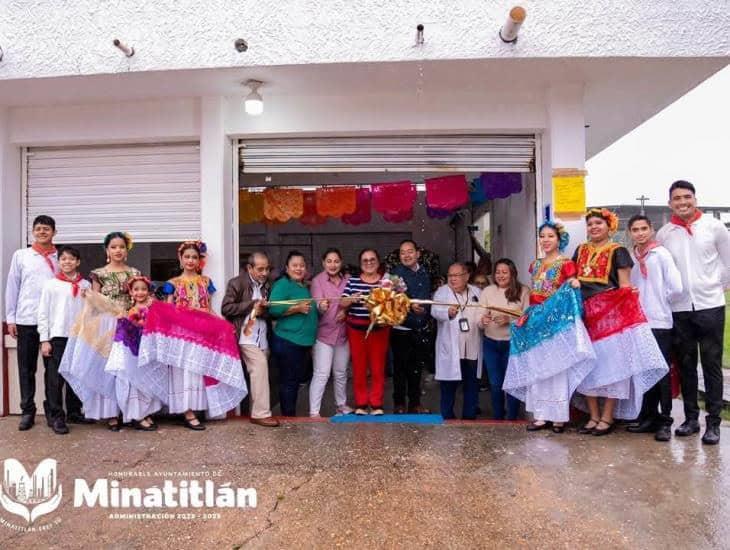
point(700, 246)
point(659, 281)
point(30, 268)
point(61, 301)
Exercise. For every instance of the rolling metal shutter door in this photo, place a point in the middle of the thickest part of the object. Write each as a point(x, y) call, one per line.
point(151, 191)
point(445, 153)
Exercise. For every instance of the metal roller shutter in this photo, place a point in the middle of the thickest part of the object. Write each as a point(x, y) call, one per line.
point(443, 153)
point(151, 191)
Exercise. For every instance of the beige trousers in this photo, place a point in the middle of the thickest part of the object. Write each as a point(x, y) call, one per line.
point(257, 366)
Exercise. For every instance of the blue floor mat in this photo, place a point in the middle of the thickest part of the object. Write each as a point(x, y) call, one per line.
point(389, 419)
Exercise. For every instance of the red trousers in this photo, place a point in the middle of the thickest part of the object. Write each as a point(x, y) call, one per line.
point(369, 353)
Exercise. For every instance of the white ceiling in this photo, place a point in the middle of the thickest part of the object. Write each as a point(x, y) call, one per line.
point(620, 93)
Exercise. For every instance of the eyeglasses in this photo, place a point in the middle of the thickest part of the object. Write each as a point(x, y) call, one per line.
point(451, 275)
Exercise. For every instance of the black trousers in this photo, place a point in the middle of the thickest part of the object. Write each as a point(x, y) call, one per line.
point(701, 329)
point(54, 385)
point(29, 344)
point(657, 405)
point(410, 354)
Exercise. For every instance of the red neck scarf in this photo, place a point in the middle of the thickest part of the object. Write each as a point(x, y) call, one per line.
point(676, 220)
point(642, 256)
point(61, 276)
point(46, 253)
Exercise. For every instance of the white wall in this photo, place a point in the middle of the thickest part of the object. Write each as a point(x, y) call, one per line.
point(42, 39)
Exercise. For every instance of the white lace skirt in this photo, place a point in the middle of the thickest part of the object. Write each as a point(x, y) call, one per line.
point(186, 391)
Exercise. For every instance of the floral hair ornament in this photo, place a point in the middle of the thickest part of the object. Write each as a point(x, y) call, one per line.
point(136, 279)
point(605, 214)
point(197, 245)
point(559, 228)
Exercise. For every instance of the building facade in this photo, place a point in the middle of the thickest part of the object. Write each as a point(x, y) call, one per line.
point(159, 144)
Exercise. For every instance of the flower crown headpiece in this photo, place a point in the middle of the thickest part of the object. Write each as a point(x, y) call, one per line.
point(127, 239)
point(559, 228)
point(610, 218)
point(137, 278)
point(199, 246)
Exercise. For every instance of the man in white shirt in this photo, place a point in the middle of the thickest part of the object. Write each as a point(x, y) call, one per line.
point(700, 246)
point(30, 268)
point(658, 281)
point(61, 301)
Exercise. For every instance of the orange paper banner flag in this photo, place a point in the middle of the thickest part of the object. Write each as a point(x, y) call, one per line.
point(250, 206)
point(281, 205)
point(336, 201)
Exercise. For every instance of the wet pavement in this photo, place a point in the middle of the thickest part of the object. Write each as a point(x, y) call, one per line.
point(389, 486)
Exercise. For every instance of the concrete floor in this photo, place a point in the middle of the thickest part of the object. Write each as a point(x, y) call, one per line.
point(393, 486)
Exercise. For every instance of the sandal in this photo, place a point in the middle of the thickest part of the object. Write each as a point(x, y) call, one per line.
point(558, 429)
point(114, 425)
point(604, 431)
point(585, 429)
point(139, 425)
point(188, 422)
point(536, 426)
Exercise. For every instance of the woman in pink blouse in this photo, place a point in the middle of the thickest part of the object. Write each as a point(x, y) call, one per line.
point(331, 352)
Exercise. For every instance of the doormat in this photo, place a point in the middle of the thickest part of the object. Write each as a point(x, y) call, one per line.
point(388, 419)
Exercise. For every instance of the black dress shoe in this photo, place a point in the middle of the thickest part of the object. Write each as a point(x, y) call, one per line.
point(59, 426)
point(49, 421)
point(664, 433)
point(26, 422)
point(79, 419)
point(712, 435)
point(643, 427)
point(688, 427)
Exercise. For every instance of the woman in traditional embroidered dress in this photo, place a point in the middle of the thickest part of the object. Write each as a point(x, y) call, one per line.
point(111, 281)
point(628, 360)
point(550, 352)
point(136, 404)
point(190, 290)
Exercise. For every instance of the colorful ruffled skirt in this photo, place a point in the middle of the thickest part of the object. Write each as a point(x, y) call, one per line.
point(628, 360)
point(87, 351)
point(550, 355)
point(189, 360)
point(135, 401)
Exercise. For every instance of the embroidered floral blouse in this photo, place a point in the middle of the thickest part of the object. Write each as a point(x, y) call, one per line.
point(598, 267)
point(190, 292)
point(114, 284)
point(548, 277)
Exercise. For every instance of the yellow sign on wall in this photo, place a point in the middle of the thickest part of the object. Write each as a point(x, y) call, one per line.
point(569, 192)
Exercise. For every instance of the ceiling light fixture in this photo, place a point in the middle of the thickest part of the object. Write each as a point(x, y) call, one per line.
point(508, 33)
point(253, 103)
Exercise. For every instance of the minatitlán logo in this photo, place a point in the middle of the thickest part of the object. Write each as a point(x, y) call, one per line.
point(30, 497)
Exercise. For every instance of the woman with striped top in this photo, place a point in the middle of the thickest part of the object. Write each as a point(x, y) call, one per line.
point(367, 353)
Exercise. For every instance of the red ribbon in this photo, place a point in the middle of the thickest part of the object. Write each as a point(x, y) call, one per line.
point(676, 220)
point(46, 253)
point(61, 276)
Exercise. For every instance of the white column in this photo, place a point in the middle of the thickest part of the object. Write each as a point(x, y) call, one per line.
point(565, 147)
point(216, 194)
point(10, 218)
